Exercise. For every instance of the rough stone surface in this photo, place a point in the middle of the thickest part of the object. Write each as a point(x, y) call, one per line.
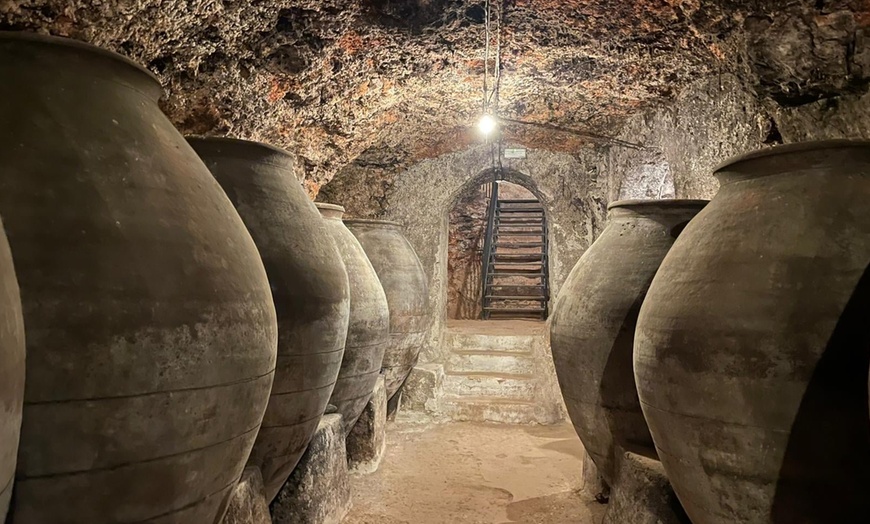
point(318, 491)
point(397, 80)
point(710, 121)
point(248, 501)
point(500, 371)
point(593, 483)
point(379, 86)
point(423, 390)
point(466, 240)
point(367, 441)
point(642, 494)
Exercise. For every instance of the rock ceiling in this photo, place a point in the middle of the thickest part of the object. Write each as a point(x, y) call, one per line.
point(390, 82)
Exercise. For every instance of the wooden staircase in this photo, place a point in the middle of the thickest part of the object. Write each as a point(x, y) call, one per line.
point(515, 268)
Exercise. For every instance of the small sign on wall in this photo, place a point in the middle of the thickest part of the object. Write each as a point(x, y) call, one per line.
point(515, 153)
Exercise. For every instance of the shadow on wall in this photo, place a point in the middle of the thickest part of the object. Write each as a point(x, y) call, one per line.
point(467, 229)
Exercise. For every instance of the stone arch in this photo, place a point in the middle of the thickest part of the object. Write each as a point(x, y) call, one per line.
point(463, 279)
point(515, 176)
point(422, 196)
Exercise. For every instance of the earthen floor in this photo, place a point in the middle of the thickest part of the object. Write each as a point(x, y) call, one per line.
point(470, 473)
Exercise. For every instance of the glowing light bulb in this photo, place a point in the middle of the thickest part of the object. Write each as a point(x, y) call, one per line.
point(487, 124)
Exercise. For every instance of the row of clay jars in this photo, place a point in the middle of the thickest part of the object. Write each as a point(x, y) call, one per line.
point(749, 355)
point(752, 347)
point(309, 287)
point(404, 283)
point(369, 328)
point(593, 324)
point(305, 274)
point(11, 372)
point(150, 328)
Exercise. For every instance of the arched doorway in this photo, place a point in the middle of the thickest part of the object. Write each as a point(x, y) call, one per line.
point(497, 261)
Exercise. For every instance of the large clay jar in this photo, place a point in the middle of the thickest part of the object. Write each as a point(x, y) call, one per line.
point(150, 327)
point(369, 328)
point(404, 282)
point(309, 285)
point(11, 372)
point(592, 330)
point(752, 347)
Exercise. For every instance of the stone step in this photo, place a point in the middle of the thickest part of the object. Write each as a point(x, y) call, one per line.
point(494, 385)
point(489, 409)
point(491, 361)
point(456, 342)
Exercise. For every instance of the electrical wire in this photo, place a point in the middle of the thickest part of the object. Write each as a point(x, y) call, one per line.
point(486, 28)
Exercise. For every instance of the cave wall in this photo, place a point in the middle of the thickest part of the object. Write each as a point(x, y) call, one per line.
point(712, 120)
point(466, 240)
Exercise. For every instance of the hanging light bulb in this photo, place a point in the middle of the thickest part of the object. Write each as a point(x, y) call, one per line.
point(487, 124)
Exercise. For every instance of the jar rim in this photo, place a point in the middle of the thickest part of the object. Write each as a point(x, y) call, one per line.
point(329, 207)
point(677, 203)
point(797, 147)
point(70, 43)
point(372, 221)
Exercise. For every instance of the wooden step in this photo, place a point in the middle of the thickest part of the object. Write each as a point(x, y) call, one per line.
point(515, 274)
point(518, 257)
point(519, 220)
point(521, 234)
point(516, 285)
point(513, 210)
point(521, 201)
point(519, 245)
point(508, 228)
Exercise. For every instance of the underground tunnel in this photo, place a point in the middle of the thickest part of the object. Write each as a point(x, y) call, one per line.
point(434, 261)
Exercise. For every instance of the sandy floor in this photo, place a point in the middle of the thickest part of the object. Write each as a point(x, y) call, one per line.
point(476, 473)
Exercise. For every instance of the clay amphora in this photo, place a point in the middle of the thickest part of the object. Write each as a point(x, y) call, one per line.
point(150, 327)
point(11, 372)
point(592, 330)
point(309, 285)
point(368, 332)
point(404, 282)
point(752, 347)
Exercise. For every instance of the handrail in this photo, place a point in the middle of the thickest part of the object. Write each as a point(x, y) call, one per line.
point(487, 246)
point(545, 264)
